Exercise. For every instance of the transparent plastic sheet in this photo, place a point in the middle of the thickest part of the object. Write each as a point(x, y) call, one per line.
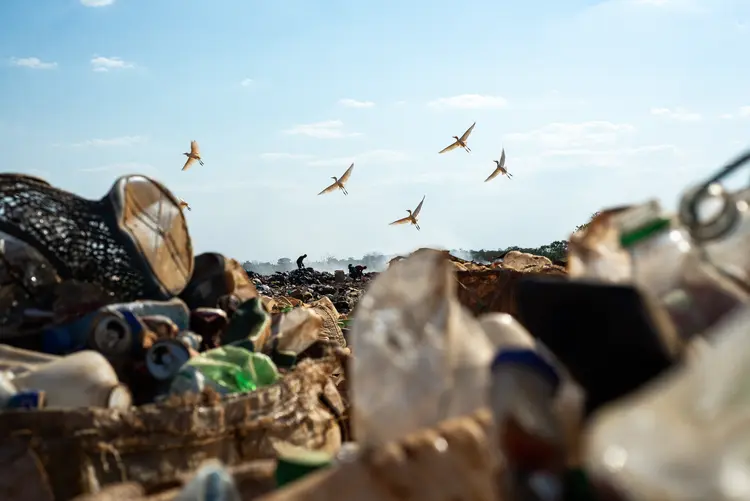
point(595, 251)
point(686, 437)
point(420, 357)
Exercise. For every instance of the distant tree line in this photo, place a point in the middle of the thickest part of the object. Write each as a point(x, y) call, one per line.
point(555, 251)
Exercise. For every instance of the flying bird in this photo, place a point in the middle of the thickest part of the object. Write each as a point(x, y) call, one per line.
point(184, 205)
point(339, 183)
point(460, 141)
point(412, 217)
point(194, 154)
point(500, 169)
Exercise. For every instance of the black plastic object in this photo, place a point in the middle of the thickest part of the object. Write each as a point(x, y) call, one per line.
point(133, 242)
point(602, 333)
point(248, 326)
point(208, 282)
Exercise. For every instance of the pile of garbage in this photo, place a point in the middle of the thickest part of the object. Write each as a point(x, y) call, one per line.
point(619, 377)
point(308, 285)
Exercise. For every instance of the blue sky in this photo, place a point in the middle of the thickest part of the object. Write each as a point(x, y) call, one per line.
point(596, 103)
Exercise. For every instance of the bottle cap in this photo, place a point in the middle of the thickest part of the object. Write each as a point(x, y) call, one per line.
point(295, 462)
point(530, 359)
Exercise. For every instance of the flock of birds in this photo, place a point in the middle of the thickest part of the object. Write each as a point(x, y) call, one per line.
point(340, 183)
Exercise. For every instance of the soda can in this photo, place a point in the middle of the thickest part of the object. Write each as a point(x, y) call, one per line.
point(116, 333)
point(166, 357)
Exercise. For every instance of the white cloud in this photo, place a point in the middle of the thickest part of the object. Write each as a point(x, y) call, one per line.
point(681, 6)
point(115, 141)
point(246, 82)
point(284, 156)
point(33, 62)
point(123, 168)
point(97, 3)
point(680, 114)
point(612, 157)
point(372, 156)
point(573, 135)
point(101, 64)
point(742, 112)
point(469, 102)
point(329, 129)
point(353, 103)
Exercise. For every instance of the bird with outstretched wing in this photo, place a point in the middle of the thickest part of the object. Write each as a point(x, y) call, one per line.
point(412, 217)
point(500, 169)
point(194, 155)
point(459, 141)
point(339, 183)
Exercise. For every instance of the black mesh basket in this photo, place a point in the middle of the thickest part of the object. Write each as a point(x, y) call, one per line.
point(134, 242)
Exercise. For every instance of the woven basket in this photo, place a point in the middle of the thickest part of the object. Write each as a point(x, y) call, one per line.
point(80, 450)
point(133, 242)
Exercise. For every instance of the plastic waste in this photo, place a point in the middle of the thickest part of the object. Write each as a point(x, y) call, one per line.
point(721, 225)
point(250, 326)
point(18, 360)
point(504, 331)
point(294, 462)
point(538, 412)
point(685, 437)
point(421, 357)
point(229, 369)
point(83, 379)
point(7, 388)
point(115, 328)
point(166, 357)
point(595, 251)
point(667, 266)
point(298, 329)
point(212, 482)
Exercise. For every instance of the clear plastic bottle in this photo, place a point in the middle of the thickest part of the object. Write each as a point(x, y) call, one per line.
point(721, 225)
point(668, 266)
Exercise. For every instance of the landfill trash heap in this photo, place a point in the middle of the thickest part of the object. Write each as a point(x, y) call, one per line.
point(132, 369)
point(309, 285)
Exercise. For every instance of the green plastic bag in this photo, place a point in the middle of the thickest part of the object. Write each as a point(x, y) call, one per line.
point(228, 369)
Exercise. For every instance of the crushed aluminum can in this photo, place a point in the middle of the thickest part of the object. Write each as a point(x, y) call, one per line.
point(116, 333)
point(166, 357)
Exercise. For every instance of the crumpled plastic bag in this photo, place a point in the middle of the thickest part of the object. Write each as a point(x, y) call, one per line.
point(685, 437)
point(595, 252)
point(229, 369)
point(420, 357)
